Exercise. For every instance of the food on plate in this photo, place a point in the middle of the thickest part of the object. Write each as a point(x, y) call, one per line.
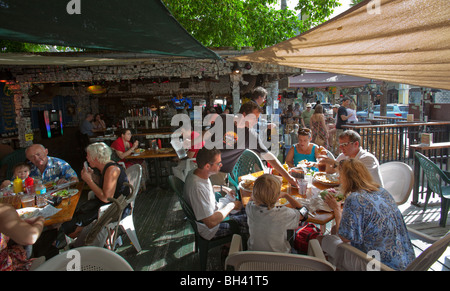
point(337, 195)
point(27, 212)
point(138, 151)
point(65, 193)
point(282, 201)
point(328, 179)
point(248, 184)
point(305, 163)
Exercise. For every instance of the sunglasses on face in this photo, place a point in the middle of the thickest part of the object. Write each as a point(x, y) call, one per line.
point(342, 145)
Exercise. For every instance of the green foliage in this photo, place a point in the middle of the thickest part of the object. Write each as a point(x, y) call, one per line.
point(240, 23)
point(234, 23)
point(318, 11)
point(11, 46)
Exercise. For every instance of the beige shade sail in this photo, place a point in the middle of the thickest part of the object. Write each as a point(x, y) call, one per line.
point(403, 41)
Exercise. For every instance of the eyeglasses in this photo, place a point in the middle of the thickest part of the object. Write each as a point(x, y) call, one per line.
point(218, 164)
point(342, 145)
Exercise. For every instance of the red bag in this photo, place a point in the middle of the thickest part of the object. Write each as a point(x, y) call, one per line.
point(303, 235)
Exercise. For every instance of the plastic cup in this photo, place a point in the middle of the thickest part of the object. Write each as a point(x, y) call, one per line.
point(41, 200)
point(302, 187)
point(27, 200)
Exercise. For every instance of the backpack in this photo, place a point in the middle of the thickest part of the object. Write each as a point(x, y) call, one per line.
point(303, 235)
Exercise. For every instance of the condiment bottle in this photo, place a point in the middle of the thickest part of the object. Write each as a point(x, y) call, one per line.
point(29, 185)
point(17, 185)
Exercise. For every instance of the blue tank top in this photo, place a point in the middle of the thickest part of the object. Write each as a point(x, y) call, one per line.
point(300, 157)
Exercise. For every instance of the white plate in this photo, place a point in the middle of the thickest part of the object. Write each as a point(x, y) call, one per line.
point(71, 192)
point(242, 187)
point(27, 212)
point(333, 182)
point(282, 202)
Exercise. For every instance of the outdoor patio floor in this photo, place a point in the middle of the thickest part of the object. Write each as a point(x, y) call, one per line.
point(167, 240)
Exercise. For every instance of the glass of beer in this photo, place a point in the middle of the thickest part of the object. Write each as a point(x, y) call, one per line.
point(28, 201)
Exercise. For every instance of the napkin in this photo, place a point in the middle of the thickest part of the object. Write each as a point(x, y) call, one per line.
point(48, 211)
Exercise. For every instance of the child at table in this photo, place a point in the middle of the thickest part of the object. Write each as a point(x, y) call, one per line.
point(268, 223)
point(21, 170)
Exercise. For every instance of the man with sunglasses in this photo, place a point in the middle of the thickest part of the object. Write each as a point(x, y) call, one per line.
point(350, 147)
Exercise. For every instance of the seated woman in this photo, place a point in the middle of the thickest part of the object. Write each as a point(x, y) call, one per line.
point(110, 185)
point(303, 150)
point(15, 234)
point(123, 146)
point(370, 219)
point(98, 123)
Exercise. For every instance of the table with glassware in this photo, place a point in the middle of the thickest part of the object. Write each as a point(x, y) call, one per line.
point(320, 213)
point(57, 214)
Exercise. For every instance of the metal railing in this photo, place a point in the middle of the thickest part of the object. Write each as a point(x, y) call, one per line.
point(390, 142)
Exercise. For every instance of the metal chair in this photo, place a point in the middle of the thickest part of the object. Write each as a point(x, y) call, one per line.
point(248, 162)
point(86, 259)
point(202, 246)
point(398, 179)
point(271, 261)
point(435, 177)
point(349, 258)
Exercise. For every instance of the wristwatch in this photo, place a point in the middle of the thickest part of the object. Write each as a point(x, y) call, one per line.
point(304, 212)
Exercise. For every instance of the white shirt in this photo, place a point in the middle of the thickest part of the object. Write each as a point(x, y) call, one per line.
point(268, 228)
point(199, 193)
point(370, 161)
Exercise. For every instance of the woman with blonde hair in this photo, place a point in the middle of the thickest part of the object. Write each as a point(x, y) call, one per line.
point(352, 110)
point(268, 223)
point(370, 219)
point(110, 185)
point(319, 127)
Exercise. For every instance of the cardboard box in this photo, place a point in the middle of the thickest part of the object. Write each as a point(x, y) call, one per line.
point(426, 138)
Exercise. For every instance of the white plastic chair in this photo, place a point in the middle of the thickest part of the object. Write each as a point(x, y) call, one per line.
point(270, 261)
point(398, 179)
point(86, 259)
point(349, 258)
point(134, 174)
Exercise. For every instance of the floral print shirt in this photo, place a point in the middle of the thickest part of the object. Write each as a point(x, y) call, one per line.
point(56, 168)
point(373, 222)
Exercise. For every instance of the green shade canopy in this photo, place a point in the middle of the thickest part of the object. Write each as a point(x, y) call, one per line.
point(141, 26)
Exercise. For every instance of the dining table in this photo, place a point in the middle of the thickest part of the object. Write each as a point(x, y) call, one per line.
point(154, 156)
point(67, 206)
point(319, 217)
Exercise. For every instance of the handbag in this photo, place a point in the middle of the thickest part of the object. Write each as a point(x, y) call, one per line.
point(303, 235)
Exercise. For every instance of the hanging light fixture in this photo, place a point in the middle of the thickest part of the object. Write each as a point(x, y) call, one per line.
point(236, 69)
point(96, 89)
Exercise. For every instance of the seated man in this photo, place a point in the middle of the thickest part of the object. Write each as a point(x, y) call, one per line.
point(48, 169)
point(350, 146)
point(199, 193)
